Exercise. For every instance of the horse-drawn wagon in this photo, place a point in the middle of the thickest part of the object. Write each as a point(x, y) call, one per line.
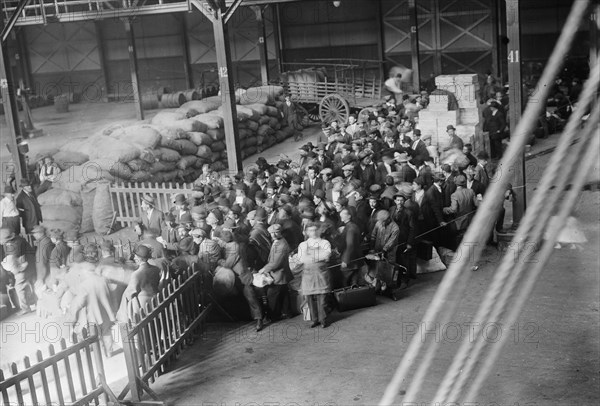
point(335, 89)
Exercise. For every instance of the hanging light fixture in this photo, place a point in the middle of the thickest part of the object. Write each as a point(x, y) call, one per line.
point(337, 3)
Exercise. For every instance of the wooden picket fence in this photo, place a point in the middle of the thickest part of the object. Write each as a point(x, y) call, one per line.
point(155, 336)
point(127, 198)
point(72, 376)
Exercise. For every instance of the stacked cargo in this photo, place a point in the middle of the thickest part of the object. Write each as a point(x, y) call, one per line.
point(434, 120)
point(173, 147)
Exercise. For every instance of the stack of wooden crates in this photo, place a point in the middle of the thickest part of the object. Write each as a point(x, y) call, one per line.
point(466, 119)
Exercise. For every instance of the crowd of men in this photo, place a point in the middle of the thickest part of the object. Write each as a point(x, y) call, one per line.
point(369, 196)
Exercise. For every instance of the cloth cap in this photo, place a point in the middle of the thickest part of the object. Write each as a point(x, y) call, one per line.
point(198, 232)
point(337, 179)
point(39, 229)
point(275, 228)
point(319, 193)
point(347, 168)
point(186, 218)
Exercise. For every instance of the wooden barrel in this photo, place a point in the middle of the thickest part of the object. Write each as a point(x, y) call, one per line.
point(172, 100)
point(149, 101)
point(191, 94)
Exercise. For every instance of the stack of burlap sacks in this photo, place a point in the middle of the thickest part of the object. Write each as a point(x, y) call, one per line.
point(172, 147)
point(436, 117)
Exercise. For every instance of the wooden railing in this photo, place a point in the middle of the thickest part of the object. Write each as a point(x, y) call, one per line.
point(127, 198)
point(313, 92)
point(156, 334)
point(74, 375)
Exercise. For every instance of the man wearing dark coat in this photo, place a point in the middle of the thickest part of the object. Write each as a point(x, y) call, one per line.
point(312, 183)
point(432, 212)
point(28, 206)
point(142, 286)
point(418, 147)
point(494, 124)
point(150, 217)
point(350, 240)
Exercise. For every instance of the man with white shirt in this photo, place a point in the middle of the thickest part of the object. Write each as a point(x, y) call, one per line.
point(150, 217)
point(9, 211)
point(353, 126)
point(336, 191)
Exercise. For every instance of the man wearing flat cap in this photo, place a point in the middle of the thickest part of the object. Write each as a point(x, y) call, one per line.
point(143, 285)
point(462, 207)
point(209, 251)
point(28, 206)
point(259, 241)
point(365, 171)
point(42, 257)
point(150, 217)
point(322, 159)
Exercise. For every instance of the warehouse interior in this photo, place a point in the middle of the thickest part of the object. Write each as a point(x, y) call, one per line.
point(118, 62)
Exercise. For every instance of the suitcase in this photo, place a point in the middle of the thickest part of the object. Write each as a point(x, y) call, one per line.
point(424, 250)
point(354, 297)
point(389, 273)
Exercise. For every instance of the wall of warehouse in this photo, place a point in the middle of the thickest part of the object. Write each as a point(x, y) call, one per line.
point(91, 58)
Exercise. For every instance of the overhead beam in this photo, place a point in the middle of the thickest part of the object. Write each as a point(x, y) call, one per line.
point(158, 7)
point(231, 10)
point(513, 31)
point(262, 44)
point(13, 19)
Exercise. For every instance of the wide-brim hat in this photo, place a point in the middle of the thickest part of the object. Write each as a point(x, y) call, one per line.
point(149, 199)
point(450, 127)
point(319, 193)
point(143, 251)
point(260, 214)
point(179, 199)
point(24, 182)
point(460, 180)
point(348, 167)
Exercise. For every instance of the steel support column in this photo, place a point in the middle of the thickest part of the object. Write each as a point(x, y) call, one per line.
point(102, 57)
point(232, 139)
point(133, 67)
point(513, 31)
point(414, 45)
point(278, 36)
point(11, 114)
point(185, 44)
point(262, 44)
point(381, 42)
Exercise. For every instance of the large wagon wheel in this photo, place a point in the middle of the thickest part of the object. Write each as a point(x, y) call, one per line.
point(334, 107)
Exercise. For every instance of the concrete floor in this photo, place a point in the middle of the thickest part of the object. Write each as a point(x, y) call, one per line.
point(553, 358)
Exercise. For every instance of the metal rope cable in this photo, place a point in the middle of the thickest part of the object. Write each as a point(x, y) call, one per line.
point(418, 236)
point(508, 275)
point(455, 279)
point(546, 251)
point(539, 212)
